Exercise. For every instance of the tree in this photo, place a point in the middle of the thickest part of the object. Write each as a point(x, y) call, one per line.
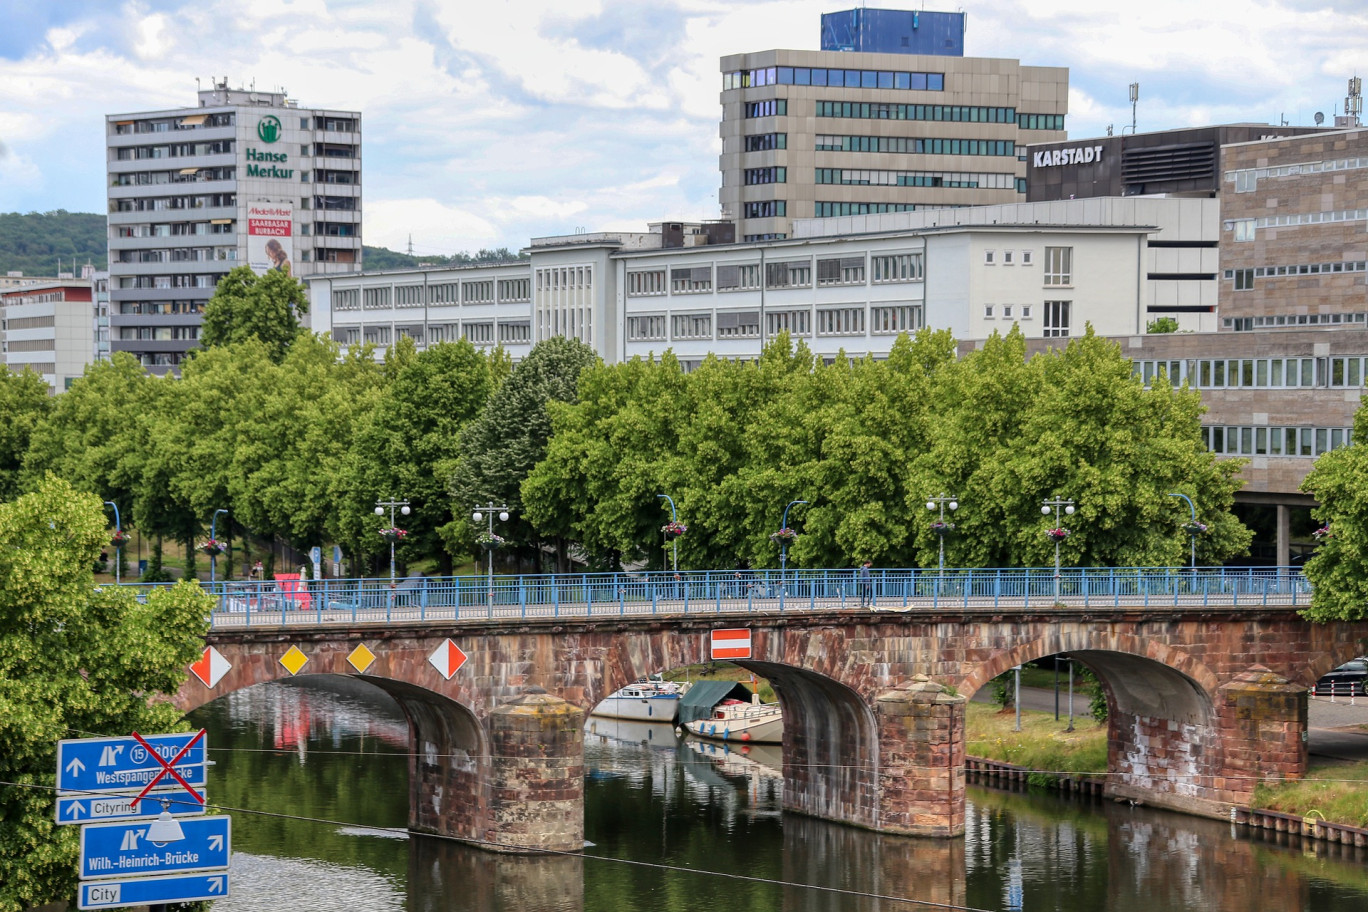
point(75, 660)
point(24, 401)
point(246, 306)
point(500, 447)
point(1338, 571)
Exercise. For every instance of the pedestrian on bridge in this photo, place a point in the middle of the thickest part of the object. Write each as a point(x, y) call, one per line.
point(866, 586)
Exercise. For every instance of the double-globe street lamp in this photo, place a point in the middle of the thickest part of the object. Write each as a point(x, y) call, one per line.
point(118, 538)
point(941, 526)
point(393, 536)
point(783, 542)
point(1058, 533)
point(1192, 530)
point(480, 514)
point(674, 520)
point(213, 555)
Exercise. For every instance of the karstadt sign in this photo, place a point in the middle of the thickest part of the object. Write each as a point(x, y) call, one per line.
point(1075, 155)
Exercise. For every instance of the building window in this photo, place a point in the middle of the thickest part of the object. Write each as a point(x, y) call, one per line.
point(742, 277)
point(1025, 311)
point(691, 279)
point(793, 322)
point(1006, 258)
point(898, 267)
point(346, 299)
point(841, 271)
point(738, 325)
point(444, 293)
point(438, 333)
point(1058, 265)
point(1057, 318)
point(765, 209)
point(646, 328)
point(776, 175)
point(646, 282)
point(515, 332)
point(988, 257)
point(376, 297)
point(408, 296)
point(841, 321)
point(1006, 311)
point(376, 335)
point(478, 333)
point(791, 274)
point(514, 290)
point(692, 326)
point(347, 335)
point(1244, 279)
point(987, 311)
point(477, 292)
point(888, 320)
point(1245, 229)
point(766, 141)
point(1026, 258)
point(774, 107)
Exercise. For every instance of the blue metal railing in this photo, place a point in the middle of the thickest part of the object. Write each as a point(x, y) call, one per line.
point(371, 601)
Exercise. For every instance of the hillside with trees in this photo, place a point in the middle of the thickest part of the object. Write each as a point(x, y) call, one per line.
point(35, 242)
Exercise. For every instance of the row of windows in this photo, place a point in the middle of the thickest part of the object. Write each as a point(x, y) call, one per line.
point(177, 281)
point(183, 176)
point(128, 127)
point(1007, 311)
point(481, 292)
point(1247, 179)
point(179, 229)
point(1275, 441)
point(565, 277)
point(764, 236)
point(1244, 278)
point(481, 333)
point(1341, 371)
point(174, 150)
point(869, 110)
point(765, 209)
point(1008, 257)
point(30, 345)
point(766, 176)
point(159, 333)
point(161, 307)
point(884, 268)
point(1245, 324)
point(763, 142)
point(833, 210)
point(163, 203)
point(833, 78)
point(772, 107)
point(178, 255)
point(919, 146)
point(1040, 121)
point(870, 177)
point(47, 322)
point(828, 321)
point(1244, 228)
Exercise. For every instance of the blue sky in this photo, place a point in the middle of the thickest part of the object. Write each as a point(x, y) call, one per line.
point(490, 123)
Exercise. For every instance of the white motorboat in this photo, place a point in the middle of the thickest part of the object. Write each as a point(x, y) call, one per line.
point(649, 700)
point(736, 720)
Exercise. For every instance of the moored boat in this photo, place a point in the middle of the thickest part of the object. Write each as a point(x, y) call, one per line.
point(736, 720)
point(649, 700)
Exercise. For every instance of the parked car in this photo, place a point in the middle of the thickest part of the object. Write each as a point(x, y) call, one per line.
point(1350, 679)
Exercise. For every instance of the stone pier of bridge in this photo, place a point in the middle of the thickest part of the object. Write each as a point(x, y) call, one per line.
point(1203, 705)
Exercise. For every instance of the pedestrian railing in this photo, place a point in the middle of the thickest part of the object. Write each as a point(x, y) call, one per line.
point(417, 599)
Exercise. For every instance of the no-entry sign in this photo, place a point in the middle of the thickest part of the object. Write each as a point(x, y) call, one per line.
point(734, 643)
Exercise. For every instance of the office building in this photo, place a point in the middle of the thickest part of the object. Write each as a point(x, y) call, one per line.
point(245, 177)
point(900, 121)
point(46, 327)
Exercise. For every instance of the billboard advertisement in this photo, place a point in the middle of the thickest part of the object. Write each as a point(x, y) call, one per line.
point(270, 236)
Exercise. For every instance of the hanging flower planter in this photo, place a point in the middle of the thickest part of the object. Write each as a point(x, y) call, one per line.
point(785, 537)
point(1322, 533)
point(942, 528)
point(1194, 528)
point(490, 541)
point(673, 530)
point(393, 536)
point(1059, 533)
point(118, 538)
point(213, 547)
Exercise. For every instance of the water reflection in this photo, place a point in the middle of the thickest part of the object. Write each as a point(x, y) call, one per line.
point(661, 813)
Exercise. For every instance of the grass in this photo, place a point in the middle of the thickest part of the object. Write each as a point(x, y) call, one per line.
point(1333, 790)
point(1041, 744)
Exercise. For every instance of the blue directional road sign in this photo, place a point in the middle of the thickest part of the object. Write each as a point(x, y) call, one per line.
point(108, 808)
point(105, 894)
point(124, 765)
point(122, 849)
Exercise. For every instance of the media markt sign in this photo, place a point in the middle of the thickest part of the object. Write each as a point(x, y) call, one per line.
point(268, 128)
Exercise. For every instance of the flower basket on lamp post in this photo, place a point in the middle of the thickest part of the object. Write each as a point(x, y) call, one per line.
point(213, 547)
point(1194, 528)
point(784, 537)
point(1057, 534)
point(393, 535)
point(118, 538)
point(942, 528)
point(1322, 533)
point(673, 530)
point(490, 541)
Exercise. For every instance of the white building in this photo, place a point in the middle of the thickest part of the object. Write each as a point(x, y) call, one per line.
point(46, 327)
point(246, 177)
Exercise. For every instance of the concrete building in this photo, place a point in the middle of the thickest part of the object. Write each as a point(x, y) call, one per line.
point(245, 177)
point(46, 327)
point(853, 132)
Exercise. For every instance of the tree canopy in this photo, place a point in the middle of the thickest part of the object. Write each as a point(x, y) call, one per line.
point(1338, 570)
point(248, 306)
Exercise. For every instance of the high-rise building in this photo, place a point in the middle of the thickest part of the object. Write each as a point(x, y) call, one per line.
point(246, 177)
point(888, 117)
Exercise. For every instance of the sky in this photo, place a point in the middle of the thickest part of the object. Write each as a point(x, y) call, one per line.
point(488, 123)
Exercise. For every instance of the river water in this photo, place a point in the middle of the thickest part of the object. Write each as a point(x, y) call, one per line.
point(315, 771)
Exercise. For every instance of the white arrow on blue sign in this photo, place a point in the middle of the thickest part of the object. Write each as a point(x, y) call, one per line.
point(108, 808)
point(122, 849)
point(124, 765)
point(105, 894)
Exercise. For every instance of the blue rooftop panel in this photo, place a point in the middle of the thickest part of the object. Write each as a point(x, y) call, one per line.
point(883, 31)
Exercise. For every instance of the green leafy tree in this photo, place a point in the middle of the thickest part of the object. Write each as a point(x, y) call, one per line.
point(24, 401)
point(1162, 325)
point(500, 447)
point(246, 306)
point(75, 660)
point(1338, 570)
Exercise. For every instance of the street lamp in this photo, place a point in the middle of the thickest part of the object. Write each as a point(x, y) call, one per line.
point(479, 516)
point(213, 558)
point(118, 538)
point(1192, 532)
point(783, 542)
point(674, 561)
point(1058, 533)
point(941, 528)
point(393, 537)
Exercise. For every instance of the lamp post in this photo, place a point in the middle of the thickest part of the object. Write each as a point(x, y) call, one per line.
point(403, 506)
point(213, 558)
point(1058, 532)
point(943, 500)
point(674, 560)
point(783, 545)
point(1192, 533)
point(118, 538)
point(479, 515)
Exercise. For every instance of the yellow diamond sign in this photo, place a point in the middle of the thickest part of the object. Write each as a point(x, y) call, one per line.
point(294, 660)
point(361, 658)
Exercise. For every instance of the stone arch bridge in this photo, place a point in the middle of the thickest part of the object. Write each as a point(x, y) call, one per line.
point(1204, 703)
